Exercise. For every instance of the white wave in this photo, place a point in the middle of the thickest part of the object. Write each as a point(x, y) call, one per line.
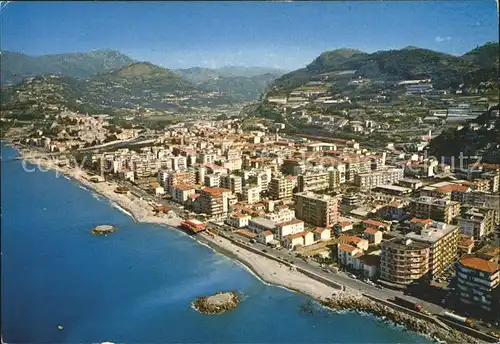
point(113, 204)
point(96, 196)
point(68, 178)
point(83, 187)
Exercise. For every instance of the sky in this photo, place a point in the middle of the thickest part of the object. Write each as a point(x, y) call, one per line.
point(285, 35)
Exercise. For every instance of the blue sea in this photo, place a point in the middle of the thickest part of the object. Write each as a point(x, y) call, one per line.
point(136, 285)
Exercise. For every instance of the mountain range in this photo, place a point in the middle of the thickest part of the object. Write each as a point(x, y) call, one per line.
point(238, 83)
point(17, 66)
point(478, 65)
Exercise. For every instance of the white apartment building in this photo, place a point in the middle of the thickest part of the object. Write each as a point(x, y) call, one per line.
point(212, 180)
point(251, 194)
point(282, 215)
point(373, 179)
point(238, 220)
point(289, 227)
point(180, 193)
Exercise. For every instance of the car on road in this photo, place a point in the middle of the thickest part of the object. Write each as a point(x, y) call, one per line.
point(367, 281)
point(352, 275)
point(379, 286)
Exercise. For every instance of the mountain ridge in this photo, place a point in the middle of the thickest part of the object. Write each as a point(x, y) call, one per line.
point(480, 64)
point(16, 66)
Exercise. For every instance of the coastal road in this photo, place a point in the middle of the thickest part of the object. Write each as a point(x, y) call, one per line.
point(339, 277)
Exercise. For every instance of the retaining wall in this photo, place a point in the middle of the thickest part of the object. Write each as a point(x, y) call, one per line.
point(473, 332)
point(441, 321)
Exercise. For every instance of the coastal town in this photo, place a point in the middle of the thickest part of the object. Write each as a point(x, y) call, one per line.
point(400, 226)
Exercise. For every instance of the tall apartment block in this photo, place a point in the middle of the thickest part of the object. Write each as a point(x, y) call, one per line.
point(317, 210)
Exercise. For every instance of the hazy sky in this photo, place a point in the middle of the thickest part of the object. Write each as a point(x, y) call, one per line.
point(212, 34)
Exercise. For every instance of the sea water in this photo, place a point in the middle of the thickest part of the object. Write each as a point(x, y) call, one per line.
point(136, 285)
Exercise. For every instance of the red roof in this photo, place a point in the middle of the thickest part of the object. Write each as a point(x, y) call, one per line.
point(479, 264)
point(297, 235)
point(349, 239)
point(374, 223)
point(371, 231)
point(215, 191)
point(267, 233)
point(347, 248)
point(421, 221)
point(184, 187)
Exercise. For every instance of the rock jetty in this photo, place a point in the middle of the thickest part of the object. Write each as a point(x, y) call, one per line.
point(409, 322)
point(217, 303)
point(102, 230)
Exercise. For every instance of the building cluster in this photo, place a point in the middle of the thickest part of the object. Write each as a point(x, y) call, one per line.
point(296, 193)
point(70, 130)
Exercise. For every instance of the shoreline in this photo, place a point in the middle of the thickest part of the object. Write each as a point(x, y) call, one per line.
point(268, 271)
point(139, 209)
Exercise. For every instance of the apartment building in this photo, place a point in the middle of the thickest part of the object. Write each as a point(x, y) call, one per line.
point(476, 222)
point(260, 224)
point(212, 180)
point(289, 227)
point(371, 180)
point(443, 241)
point(403, 261)
point(292, 241)
point(207, 158)
point(213, 201)
point(176, 178)
point(347, 255)
point(281, 188)
point(318, 181)
point(477, 283)
point(179, 163)
point(317, 210)
point(313, 181)
point(281, 215)
point(251, 193)
point(438, 209)
point(181, 192)
point(356, 165)
point(232, 183)
point(238, 220)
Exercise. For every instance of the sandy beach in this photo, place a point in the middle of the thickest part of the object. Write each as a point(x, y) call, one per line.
point(276, 273)
point(138, 208)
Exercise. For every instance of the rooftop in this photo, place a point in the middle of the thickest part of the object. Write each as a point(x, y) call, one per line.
point(347, 248)
point(297, 235)
point(291, 222)
point(400, 243)
point(432, 234)
point(476, 263)
point(261, 221)
point(216, 191)
point(315, 196)
point(371, 231)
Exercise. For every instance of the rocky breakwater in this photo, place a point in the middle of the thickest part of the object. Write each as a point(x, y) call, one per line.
point(426, 328)
point(217, 303)
point(103, 230)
